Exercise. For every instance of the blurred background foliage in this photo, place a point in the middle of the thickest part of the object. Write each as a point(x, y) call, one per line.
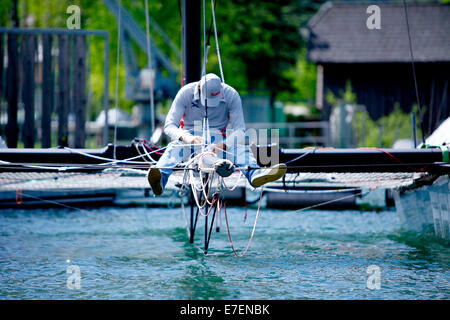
point(261, 45)
point(382, 132)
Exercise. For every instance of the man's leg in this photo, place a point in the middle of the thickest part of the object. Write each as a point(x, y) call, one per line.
point(159, 174)
point(243, 157)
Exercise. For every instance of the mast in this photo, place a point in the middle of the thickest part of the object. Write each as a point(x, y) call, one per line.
point(191, 40)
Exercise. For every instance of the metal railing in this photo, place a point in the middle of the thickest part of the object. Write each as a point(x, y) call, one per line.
point(296, 134)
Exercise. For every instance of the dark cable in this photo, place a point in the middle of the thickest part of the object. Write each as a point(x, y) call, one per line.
point(414, 72)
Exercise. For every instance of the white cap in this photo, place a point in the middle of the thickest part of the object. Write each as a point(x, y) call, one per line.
point(211, 89)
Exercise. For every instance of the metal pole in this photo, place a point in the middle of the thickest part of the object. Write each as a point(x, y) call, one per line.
point(191, 221)
point(106, 91)
point(192, 39)
point(414, 129)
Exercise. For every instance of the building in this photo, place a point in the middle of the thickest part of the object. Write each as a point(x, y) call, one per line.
point(378, 61)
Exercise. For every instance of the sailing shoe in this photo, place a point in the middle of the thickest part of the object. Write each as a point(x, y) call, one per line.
point(224, 167)
point(263, 176)
point(154, 177)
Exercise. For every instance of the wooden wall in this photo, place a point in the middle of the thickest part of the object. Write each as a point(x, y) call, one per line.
point(380, 86)
point(49, 69)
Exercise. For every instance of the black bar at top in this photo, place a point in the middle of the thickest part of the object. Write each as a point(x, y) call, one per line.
point(192, 40)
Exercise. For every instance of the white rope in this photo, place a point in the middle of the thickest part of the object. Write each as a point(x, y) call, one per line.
point(205, 48)
point(110, 161)
point(217, 41)
point(38, 166)
point(222, 180)
point(117, 76)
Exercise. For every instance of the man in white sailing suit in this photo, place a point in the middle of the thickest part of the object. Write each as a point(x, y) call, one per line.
point(184, 126)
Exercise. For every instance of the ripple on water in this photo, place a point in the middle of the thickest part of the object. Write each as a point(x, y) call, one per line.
point(139, 253)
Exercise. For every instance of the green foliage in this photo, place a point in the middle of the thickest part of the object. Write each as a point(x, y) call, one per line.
point(347, 95)
point(303, 76)
point(260, 41)
point(374, 133)
point(5, 9)
point(386, 130)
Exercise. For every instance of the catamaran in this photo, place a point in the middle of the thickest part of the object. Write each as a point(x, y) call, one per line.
point(64, 176)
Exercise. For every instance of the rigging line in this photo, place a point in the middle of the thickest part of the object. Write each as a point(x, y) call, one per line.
point(441, 105)
point(91, 167)
point(181, 43)
point(303, 155)
point(138, 151)
point(205, 57)
point(414, 72)
point(109, 161)
point(127, 160)
point(208, 41)
point(222, 181)
point(149, 156)
point(150, 65)
point(335, 200)
point(392, 156)
point(119, 22)
point(213, 4)
point(54, 202)
point(253, 231)
point(157, 151)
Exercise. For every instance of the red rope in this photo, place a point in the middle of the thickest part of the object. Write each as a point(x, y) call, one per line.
point(147, 145)
point(213, 201)
point(19, 198)
point(395, 158)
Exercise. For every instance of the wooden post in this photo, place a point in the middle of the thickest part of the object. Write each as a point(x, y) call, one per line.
point(28, 47)
point(63, 91)
point(12, 76)
point(319, 87)
point(79, 91)
point(47, 90)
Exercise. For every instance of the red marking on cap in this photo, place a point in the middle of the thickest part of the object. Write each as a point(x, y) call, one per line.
point(215, 94)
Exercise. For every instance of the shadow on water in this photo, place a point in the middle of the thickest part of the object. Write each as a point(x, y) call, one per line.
point(427, 247)
point(200, 280)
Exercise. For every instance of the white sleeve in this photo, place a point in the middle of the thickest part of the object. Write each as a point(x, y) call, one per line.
point(173, 118)
point(236, 121)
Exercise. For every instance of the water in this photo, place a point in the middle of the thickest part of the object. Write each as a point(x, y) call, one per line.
point(144, 253)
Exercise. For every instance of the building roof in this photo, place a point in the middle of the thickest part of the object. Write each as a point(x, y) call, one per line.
point(338, 33)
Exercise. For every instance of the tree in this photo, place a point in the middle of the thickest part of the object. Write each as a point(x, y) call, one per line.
point(259, 40)
point(262, 38)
